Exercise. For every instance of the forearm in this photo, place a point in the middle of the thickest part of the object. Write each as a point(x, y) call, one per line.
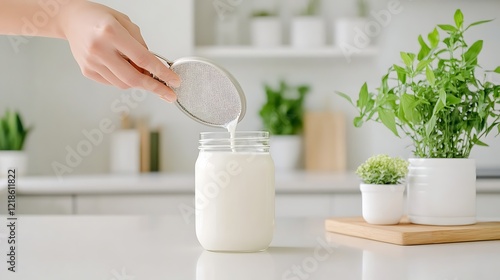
point(33, 17)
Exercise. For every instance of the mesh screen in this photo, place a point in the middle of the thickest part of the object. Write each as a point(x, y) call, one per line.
point(207, 93)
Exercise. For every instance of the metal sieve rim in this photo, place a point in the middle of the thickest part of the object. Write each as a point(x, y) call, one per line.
point(212, 64)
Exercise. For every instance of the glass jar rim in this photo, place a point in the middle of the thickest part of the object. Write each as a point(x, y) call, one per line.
point(241, 135)
point(242, 141)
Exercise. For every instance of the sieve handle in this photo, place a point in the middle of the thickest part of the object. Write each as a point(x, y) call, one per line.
point(169, 63)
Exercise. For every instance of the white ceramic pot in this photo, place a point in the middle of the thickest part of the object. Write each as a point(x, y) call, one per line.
point(442, 191)
point(286, 151)
point(350, 32)
point(266, 32)
point(13, 159)
point(307, 32)
point(382, 204)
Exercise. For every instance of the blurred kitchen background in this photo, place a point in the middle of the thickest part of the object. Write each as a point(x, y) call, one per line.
point(40, 78)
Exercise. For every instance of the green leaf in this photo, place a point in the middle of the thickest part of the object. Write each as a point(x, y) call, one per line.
point(406, 59)
point(478, 23)
point(497, 70)
point(422, 65)
point(490, 128)
point(430, 76)
point(401, 73)
point(438, 107)
point(448, 28)
point(363, 96)
point(358, 121)
point(478, 142)
point(388, 118)
point(474, 50)
point(409, 103)
point(401, 114)
point(459, 18)
point(13, 136)
point(498, 128)
point(429, 127)
point(424, 48)
point(452, 99)
point(385, 84)
point(442, 96)
point(345, 96)
point(433, 38)
point(3, 136)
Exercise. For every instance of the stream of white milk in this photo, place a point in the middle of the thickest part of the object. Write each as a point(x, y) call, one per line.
point(231, 128)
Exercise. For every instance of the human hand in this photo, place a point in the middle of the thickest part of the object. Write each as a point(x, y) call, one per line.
point(110, 49)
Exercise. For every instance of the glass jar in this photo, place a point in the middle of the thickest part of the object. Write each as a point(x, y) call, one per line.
point(234, 197)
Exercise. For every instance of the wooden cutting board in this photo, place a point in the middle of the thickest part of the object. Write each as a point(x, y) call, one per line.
point(405, 233)
point(325, 141)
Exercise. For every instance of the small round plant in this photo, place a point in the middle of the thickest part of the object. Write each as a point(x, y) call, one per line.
point(383, 170)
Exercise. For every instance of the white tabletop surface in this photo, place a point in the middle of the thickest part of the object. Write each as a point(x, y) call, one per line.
point(165, 247)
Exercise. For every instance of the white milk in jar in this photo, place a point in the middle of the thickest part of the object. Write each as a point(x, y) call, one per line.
point(234, 178)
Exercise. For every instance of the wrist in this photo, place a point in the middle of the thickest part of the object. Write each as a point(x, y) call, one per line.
point(62, 19)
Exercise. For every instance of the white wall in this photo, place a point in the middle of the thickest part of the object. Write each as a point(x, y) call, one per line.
point(45, 83)
point(329, 75)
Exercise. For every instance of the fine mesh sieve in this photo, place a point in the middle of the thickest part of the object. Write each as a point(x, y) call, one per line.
point(208, 93)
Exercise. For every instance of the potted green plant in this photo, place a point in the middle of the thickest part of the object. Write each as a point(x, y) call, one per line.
point(436, 99)
point(382, 189)
point(308, 28)
point(266, 30)
point(283, 117)
point(13, 135)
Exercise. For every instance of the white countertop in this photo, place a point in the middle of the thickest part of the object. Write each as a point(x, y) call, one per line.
point(297, 182)
point(165, 247)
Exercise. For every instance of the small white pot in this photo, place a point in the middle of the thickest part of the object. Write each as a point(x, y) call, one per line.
point(266, 32)
point(442, 191)
point(308, 32)
point(382, 204)
point(13, 159)
point(286, 151)
point(350, 32)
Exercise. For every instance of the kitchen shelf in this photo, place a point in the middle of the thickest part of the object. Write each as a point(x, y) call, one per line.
point(279, 52)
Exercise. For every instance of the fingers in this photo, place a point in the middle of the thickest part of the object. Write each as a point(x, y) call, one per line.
point(132, 28)
point(129, 75)
point(111, 77)
point(136, 52)
point(97, 77)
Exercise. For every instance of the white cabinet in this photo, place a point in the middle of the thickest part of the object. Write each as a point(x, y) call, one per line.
point(318, 205)
point(488, 205)
point(44, 205)
point(287, 205)
point(133, 204)
point(297, 195)
point(345, 205)
point(299, 205)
